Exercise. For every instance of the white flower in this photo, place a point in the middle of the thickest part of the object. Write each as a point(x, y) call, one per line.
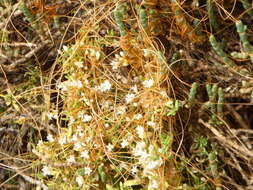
point(109, 147)
point(85, 154)
point(140, 145)
point(96, 145)
point(140, 151)
point(140, 131)
point(164, 93)
point(134, 89)
point(138, 116)
point(86, 82)
point(86, 118)
point(62, 140)
point(77, 146)
point(50, 138)
point(122, 54)
point(106, 104)
point(153, 164)
point(105, 86)
point(74, 138)
point(79, 181)
point(134, 170)
point(146, 52)
point(117, 56)
point(107, 125)
point(115, 65)
point(98, 55)
point(129, 98)
point(65, 48)
point(151, 123)
point(148, 83)
point(79, 128)
point(87, 170)
point(63, 86)
point(47, 170)
point(124, 143)
point(71, 159)
point(76, 83)
point(120, 110)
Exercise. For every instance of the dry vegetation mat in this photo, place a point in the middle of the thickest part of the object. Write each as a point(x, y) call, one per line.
point(126, 95)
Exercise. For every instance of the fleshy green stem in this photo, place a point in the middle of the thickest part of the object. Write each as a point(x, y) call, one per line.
point(218, 49)
point(247, 47)
point(192, 94)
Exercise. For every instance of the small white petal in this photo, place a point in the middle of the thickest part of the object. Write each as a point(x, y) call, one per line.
point(98, 55)
point(50, 138)
point(129, 98)
point(79, 181)
point(105, 86)
point(71, 159)
point(138, 116)
point(85, 154)
point(109, 147)
point(151, 123)
point(87, 118)
point(124, 143)
point(47, 170)
point(148, 83)
point(87, 170)
point(140, 131)
point(134, 170)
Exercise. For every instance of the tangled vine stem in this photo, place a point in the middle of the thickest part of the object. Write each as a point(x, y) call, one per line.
point(112, 110)
point(248, 7)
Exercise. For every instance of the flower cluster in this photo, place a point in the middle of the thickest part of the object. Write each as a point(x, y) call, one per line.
point(111, 113)
point(119, 61)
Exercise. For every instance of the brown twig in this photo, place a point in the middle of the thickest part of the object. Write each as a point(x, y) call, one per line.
point(18, 44)
point(238, 117)
point(243, 150)
point(26, 177)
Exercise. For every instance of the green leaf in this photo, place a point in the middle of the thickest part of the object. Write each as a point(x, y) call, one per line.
point(173, 108)
point(81, 171)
